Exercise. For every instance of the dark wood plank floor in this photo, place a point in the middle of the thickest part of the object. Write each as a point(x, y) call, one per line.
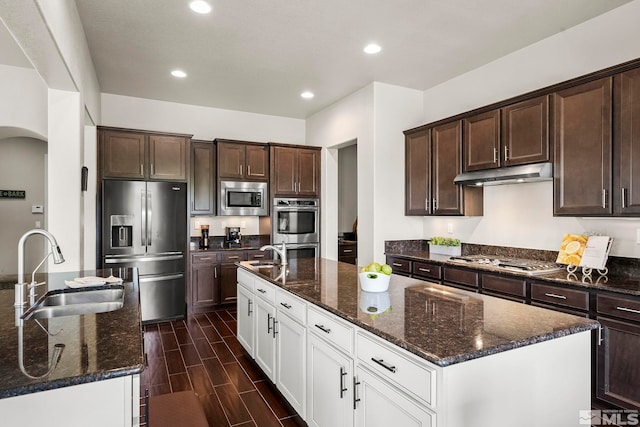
point(202, 354)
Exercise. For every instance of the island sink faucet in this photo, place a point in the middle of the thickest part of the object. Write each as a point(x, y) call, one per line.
point(21, 286)
point(282, 252)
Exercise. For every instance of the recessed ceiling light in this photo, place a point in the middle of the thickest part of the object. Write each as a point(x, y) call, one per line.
point(307, 95)
point(179, 73)
point(200, 6)
point(372, 49)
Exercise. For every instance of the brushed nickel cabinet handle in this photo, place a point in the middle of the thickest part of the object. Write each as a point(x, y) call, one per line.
point(623, 197)
point(555, 296)
point(506, 153)
point(262, 291)
point(495, 155)
point(343, 373)
point(285, 305)
point(628, 310)
point(356, 399)
point(604, 198)
point(426, 270)
point(396, 264)
point(323, 328)
point(384, 365)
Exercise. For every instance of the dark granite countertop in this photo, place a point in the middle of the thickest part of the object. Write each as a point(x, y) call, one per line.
point(97, 346)
point(441, 324)
point(218, 244)
point(617, 284)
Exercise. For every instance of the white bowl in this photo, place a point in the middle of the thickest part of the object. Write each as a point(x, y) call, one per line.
point(374, 282)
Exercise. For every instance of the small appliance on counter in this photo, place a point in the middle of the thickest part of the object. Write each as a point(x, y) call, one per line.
point(204, 237)
point(232, 238)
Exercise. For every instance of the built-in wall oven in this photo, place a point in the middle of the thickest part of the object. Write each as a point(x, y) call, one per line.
point(297, 223)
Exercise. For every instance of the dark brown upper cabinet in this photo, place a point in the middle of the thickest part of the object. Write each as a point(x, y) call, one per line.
point(295, 171)
point(525, 132)
point(433, 158)
point(626, 165)
point(240, 160)
point(582, 124)
point(481, 142)
point(131, 154)
point(203, 177)
point(513, 135)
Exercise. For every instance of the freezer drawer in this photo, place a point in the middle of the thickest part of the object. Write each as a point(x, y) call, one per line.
point(165, 263)
point(162, 298)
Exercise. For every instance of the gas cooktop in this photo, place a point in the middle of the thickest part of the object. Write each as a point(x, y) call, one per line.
point(521, 265)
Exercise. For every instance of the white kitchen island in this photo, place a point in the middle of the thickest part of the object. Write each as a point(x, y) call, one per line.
point(421, 355)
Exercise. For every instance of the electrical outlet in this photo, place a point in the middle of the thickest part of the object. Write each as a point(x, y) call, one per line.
point(638, 236)
point(197, 225)
point(223, 224)
point(243, 224)
point(449, 228)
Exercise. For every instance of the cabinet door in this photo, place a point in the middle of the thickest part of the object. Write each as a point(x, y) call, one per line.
point(203, 177)
point(308, 173)
point(167, 158)
point(381, 405)
point(123, 155)
point(618, 370)
point(525, 132)
point(582, 149)
point(481, 141)
point(265, 343)
point(284, 171)
point(257, 162)
point(330, 385)
point(292, 367)
point(446, 164)
point(228, 282)
point(245, 318)
point(626, 191)
point(231, 160)
point(417, 152)
point(204, 285)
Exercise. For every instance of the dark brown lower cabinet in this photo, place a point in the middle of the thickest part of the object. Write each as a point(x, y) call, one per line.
point(204, 285)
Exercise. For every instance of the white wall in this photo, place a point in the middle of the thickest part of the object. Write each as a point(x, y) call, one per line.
point(375, 115)
point(23, 104)
point(347, 187)
point(203, 122)
point(22, 167)
point(521, 215)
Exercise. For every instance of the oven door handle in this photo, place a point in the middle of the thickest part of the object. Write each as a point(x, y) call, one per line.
point(296, 209)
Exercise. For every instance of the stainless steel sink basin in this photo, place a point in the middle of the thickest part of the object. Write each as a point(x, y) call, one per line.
point(264, 264)
point(71, 302)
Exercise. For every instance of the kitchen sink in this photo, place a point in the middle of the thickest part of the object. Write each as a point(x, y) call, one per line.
point(264, 264)
point(73, 302)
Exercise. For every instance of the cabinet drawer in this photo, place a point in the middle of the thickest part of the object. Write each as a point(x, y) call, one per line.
point(331, 329)
point(399, 265)
point(397, 368)
point(232, 256)
point(626, 308)
point(427, 269)
point(346, 250)
point(461, 276)
point(561, 296)
point(504, 285)
point(257, 255)
point(245, 279)
point(209, 258)
point(292, 305)
point(265, 290)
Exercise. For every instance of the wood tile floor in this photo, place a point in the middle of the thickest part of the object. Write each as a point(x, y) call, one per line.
point(201, 353)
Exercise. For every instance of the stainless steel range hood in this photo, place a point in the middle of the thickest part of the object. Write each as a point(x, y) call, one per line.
point(507, 175)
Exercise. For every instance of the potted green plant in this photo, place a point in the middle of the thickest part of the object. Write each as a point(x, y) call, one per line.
point(445, 246)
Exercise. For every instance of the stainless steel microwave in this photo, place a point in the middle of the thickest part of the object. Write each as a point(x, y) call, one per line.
point(243, 198)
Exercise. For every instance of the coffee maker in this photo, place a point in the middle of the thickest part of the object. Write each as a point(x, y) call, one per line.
point(204, 237)
point(232, 238)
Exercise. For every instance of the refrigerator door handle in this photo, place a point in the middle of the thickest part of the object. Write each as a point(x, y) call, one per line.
point(149, 212)
point(161, 278)
point(143, 222)
point(142, 259)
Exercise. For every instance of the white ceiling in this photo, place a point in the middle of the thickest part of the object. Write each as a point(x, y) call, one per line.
point(259, 55)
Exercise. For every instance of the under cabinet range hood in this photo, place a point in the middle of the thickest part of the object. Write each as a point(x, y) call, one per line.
point(507, 175)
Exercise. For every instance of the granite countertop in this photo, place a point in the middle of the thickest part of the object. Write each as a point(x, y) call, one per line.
point(97, 346)
point(441, 324)
point(618, 284)
point(251, 242)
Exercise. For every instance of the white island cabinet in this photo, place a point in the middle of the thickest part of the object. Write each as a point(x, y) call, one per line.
point(475, 361)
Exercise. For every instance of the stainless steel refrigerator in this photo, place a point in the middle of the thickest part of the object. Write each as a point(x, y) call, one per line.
point(144, 225)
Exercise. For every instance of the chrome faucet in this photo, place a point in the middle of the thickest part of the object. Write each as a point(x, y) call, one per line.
point(282, 252)
point(21, 286)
